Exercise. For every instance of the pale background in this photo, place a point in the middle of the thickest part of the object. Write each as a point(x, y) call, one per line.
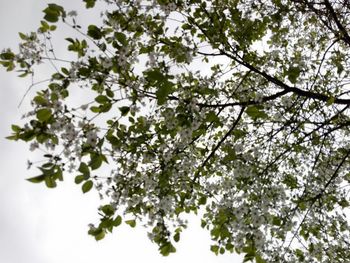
point(40, 225)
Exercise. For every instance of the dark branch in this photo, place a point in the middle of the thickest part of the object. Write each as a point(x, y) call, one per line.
point(287, 88)
point(221, 142)
point(344, 34)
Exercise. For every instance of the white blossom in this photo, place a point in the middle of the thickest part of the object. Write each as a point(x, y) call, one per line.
point(91, 138)
point(33, 146)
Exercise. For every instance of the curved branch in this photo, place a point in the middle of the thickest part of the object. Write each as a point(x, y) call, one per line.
point(220, 142)
point(287, 88)
point(344, 34)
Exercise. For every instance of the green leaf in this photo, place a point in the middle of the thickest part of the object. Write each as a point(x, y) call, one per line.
point(249, 257)
point(229, 247)
point(276, 221)
point(50, 182)
point(12, 138)
point(105, 107)
point(100, 235)
point(167, 248)
point(124, 110)
point(86, 187)
point(94, 32)
point(259, 259)
point(89, 3)
point(330, 101)
point(7, 56)
point(108, 210)
point(65, 71)
point(53, 12)
point(163, 92)
point(27, 135)
point(84, 169)
point(293, 74)
point(300, 254)
point(211, 116)
point(9, 65)
point(121, 38)
point(117, 221)
point(131, 223)
point(24, 36)
point(95, 109)
point(109, 93)
point(40, 100)
point(16, 128)
point(79, 178)
point(57, 76)
point(37, 179)
point(96, 161)
point(344, 203)
point(215, 249)
point(177, 237)
point(290, 181)
point(116, 142)
point(256, 112)
point(59, 174)
point(155, 75)
point(202, 200)
point(101, 99)
point(43, 114)
point(44, 28)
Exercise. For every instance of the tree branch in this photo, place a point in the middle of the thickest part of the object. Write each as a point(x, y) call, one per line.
point(344, 34)
point(220, 142)
point(287, 88)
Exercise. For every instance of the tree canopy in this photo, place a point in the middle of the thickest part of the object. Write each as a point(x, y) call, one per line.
point(239, 109)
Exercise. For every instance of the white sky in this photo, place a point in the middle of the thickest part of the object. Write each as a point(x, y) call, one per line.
point(42, 225)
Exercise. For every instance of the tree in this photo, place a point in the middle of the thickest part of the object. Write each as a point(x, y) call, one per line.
point(237, 108)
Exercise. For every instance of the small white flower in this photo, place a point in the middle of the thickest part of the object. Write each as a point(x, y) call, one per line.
point(185, 134)
point(91, 138)
point(258, 97)
point(72, 13)
point(84, 107)
point(70, 132)
point(50, 146)
point(238, 148)
point(71, 167)
point(152, 59)
point(247, 157)
point(81, 124)
point(169, 8)
point(29, 164)
point(167, 156)
point(151, 236)
point(107, 63)
point(287, 101)
point(278, 117)
point(122, 61)
point(275, 54)
point(115, 196)
point(99, 186)
point(134, 109)
point(92, 227)
point(189, 57)
point(67, 152)
point(57, 105)
point(33, 146)
point(69, 127)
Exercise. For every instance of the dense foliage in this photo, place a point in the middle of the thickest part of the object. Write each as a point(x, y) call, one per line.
point(240, 108)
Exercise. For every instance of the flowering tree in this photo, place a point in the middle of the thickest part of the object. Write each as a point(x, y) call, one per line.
point(236, 108)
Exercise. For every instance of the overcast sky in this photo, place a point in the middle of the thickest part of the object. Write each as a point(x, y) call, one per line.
point(40, 225)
